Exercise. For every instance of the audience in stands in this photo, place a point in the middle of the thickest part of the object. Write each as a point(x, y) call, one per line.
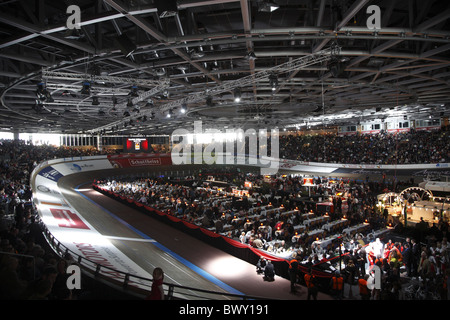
point(197, 202)
point(28, 271)
point(382, 148)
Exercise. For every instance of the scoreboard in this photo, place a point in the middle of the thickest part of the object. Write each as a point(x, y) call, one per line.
point(137, 145)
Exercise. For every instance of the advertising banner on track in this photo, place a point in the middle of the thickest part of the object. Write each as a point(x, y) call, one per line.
point(73, 231)
point(139, 160)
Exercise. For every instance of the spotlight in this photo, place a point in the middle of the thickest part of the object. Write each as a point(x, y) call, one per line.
point(86, 89)
point(250, 56)
point(134, 91)
point(48, 96)
point(237, 95)
point(42, 93)
point(129, 103)
point(209, 101)
point(95, 101)
point(336, 67)
point(273, 79)
point(40, 89)
point(38, 106)
point(149, 103)
point(267, 6)
point(183, 109)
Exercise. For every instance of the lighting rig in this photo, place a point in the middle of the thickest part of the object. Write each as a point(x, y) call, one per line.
point(206, 95)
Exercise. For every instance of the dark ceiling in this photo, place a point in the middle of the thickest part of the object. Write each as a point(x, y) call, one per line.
point(208, 50)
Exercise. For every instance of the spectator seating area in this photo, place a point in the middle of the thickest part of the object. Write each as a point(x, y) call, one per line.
point(281, 221)
point(286, 225)
point(29, 269)
point(382, 148)
point(291, 222)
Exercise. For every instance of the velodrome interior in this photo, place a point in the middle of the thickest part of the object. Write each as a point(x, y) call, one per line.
point(112, 77)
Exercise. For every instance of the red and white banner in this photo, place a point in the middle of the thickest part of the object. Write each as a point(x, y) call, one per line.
point(68, 219)
point(139, 160)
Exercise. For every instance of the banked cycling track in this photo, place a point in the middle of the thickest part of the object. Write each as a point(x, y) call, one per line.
point(106, 232)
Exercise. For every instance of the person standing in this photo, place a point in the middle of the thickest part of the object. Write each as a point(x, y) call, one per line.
point(337, 285)
point(364, 291)
point(157, 292)
point(408, 259)
point(293, 271)
point(416, 252)
point(310, 280)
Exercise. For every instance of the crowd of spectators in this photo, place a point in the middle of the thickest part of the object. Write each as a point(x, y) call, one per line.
point(242, 219)
point(29, 269)
point(382, 148)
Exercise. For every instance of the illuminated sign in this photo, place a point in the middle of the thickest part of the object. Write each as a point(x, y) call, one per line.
point(136, 145)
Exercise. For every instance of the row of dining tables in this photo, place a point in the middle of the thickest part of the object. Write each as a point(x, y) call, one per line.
point(259, 215)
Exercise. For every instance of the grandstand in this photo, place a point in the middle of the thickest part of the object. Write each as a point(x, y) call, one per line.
point(208, 137)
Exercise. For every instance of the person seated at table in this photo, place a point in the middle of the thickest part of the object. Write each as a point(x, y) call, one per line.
point(360, 240)
point(316, 248)
point(258, 242)
point(242, 238)
point(249, 234)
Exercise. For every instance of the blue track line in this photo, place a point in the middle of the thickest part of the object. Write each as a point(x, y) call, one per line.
point(188, 264)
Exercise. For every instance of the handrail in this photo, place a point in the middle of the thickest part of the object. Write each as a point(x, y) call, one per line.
point(130, 281)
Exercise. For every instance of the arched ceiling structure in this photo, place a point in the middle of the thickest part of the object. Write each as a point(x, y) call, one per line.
point(141, 63)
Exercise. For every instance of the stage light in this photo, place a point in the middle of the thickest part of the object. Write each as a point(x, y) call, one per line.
point(273, 79)
point(40, 89)
point(209, 101)
point(237, 95)
point(134, 91)
point(267, 6)
point(95, 101)
point(130, 103)
point(250, 56)
point(48, 96)
point(86, 89)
